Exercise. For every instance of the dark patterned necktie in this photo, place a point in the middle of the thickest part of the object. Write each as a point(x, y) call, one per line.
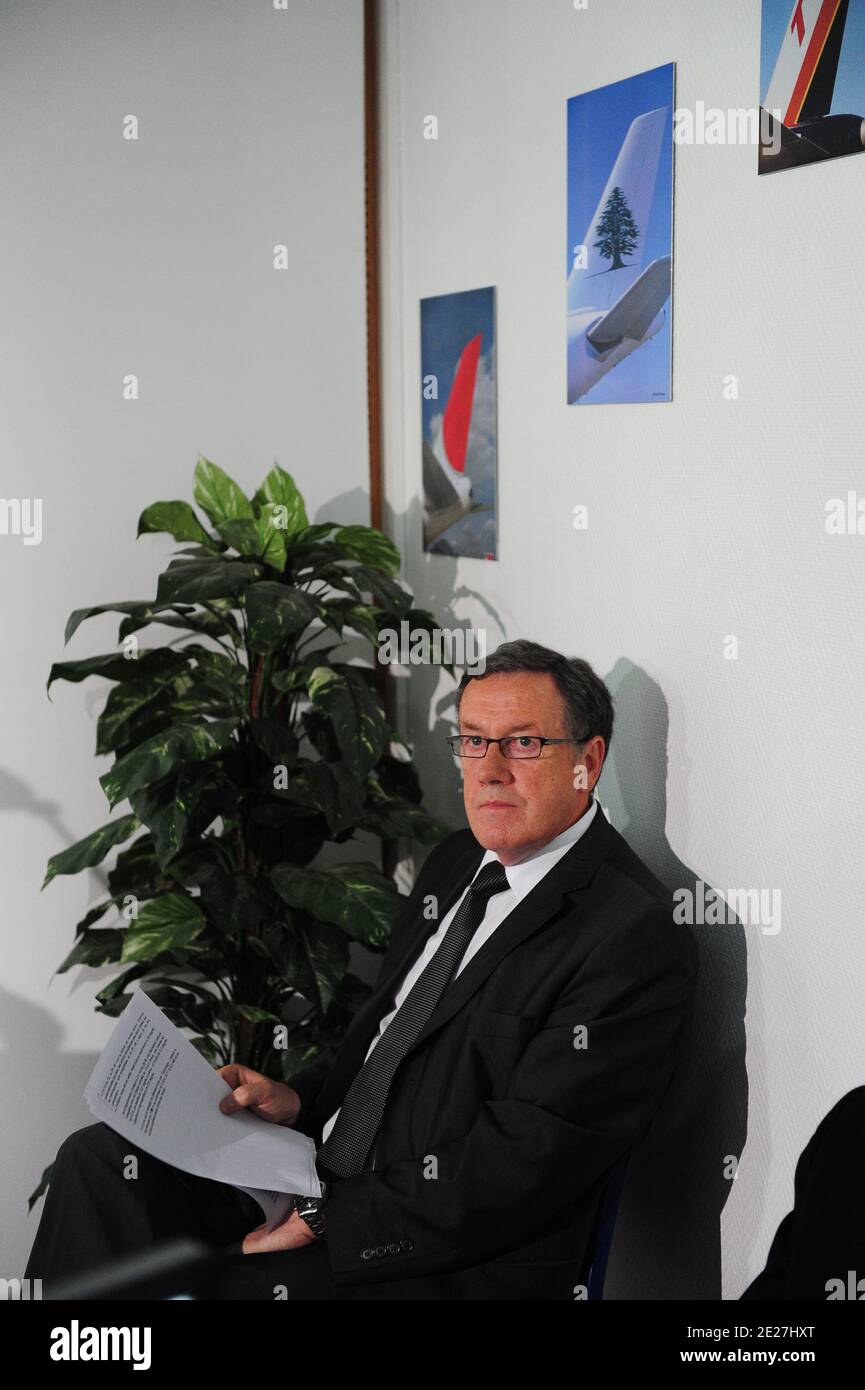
point(346, 1148)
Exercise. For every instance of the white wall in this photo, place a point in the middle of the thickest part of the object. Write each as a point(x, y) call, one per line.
point(153, 257)
point(706, 519)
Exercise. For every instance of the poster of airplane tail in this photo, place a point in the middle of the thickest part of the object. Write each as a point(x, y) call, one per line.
point(812, 69)
point(458, 393)
point(620, 227)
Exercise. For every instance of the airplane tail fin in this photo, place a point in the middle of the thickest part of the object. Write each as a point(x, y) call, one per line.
point(803, 81)
point(447, 487)
point(616, 236)
point(453, 439)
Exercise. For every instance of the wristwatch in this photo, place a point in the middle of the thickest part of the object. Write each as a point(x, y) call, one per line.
point(309, 1210)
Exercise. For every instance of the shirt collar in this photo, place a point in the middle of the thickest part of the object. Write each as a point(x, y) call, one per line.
point(523, 877)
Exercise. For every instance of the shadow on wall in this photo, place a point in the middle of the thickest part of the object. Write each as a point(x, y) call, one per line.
point(44, 1101)
point(667, 1243)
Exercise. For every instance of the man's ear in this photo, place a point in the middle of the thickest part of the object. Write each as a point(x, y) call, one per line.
point(601, 754)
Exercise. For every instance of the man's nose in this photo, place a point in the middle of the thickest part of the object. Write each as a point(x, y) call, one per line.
point(494, 765)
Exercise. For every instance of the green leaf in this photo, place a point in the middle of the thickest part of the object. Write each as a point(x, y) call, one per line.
point(271, 537)
point(124, 702)
point(156, 757)
point(187, 620)
point(238, 904)
point(332, 789)
point(356, 897)
point(369, 545)
point(280, 489)
point(95, 912)
point(242, 535)
point(218, 495)
point(95, 948)
point(339, 613)
point(392, 819)
point(316, 960)
point(167, 808)
point(276, 613)
point(394, 597)
point(163, 924)
point(293, 678)
point(146, 723)
point(116, 986)
point(179, 520)
point(181, 1007)
point(135, 871)
point(199, 581)
point(254, 1015)
point(80, 615)
point(310, 537)
point(92, 849)
point(207, 1048)
point(116, 667)
point(355, 715)
point(397, 778)
point(275, 740)
point(220, 668)
point(331, 694)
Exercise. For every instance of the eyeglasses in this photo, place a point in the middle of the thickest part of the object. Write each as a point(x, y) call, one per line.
point(513, 746)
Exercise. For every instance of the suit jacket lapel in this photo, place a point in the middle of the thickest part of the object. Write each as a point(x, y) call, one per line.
point(573, 871)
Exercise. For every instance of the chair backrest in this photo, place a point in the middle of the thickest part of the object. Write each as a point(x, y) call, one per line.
point(606, 1224)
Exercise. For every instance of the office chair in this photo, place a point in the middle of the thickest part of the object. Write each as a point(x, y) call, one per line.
point(606, 1224)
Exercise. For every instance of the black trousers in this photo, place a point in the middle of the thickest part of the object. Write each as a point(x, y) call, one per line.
point(95, 1214)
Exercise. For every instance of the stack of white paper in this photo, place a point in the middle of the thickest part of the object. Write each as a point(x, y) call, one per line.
point(153, 1087)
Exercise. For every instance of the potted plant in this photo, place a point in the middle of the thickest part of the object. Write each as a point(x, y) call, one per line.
point(243, 747)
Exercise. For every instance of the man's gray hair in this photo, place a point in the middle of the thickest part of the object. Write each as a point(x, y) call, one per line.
point(587, 702)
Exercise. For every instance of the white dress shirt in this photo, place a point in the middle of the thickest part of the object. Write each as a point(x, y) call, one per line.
point(522, 878)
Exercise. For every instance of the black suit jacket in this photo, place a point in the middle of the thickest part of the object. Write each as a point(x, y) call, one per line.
point(499, 1133)
point(823, 1238)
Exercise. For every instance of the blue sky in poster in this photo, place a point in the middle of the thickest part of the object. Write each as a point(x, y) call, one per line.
point(849, 95)
point(598, 122)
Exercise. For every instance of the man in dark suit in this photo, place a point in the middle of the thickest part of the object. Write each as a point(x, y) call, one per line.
point(525, 1025)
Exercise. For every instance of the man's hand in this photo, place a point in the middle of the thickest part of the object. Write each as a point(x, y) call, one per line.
point(272, 1100)
point(288, 1235)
